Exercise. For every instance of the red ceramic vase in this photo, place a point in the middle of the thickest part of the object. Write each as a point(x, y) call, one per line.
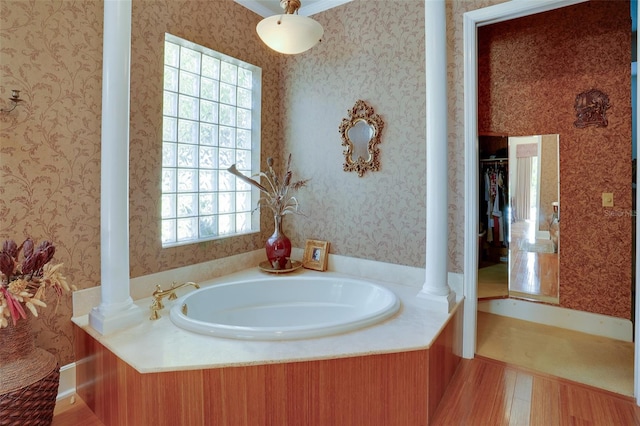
point(278, 247)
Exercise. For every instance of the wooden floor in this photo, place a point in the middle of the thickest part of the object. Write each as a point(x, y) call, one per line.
point(486, 393)
point(533, 275)
point(74, 412)
point(580, 357)
point(493, 282)
point(530, 274)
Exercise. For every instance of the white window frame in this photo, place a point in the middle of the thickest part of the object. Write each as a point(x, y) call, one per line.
point(194, 180)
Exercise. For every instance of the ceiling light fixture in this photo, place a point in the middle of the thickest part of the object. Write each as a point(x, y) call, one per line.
point(290, 33)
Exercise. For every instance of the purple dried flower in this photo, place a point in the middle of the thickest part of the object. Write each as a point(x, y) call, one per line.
point(27, 248)
point(7, 264)
point(11, 248)
point(26, 276)
point(41, 256)
point(48, 248)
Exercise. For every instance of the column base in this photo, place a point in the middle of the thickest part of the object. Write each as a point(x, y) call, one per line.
point(444, 304)
point(109, 322)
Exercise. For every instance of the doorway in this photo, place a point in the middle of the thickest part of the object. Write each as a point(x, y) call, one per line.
point(494, 211)
point(472, 20)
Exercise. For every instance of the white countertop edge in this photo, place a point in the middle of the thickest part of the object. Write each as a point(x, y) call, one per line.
point(160, 346)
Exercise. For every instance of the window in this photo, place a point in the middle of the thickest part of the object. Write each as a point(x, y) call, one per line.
point(211, 120)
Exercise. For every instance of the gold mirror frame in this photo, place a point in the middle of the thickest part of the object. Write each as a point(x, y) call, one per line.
point(361, 113)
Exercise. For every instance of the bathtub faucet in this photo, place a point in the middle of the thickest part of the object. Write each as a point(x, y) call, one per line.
point(160, 294)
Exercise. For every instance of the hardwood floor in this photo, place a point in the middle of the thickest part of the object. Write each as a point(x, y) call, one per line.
point(533, 274)
point(486, 392)
point(493, 282)
point(585, 358)
point(529, 275)
point(74, 412)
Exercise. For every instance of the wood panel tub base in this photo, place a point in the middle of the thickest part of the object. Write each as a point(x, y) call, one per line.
point(401, 388)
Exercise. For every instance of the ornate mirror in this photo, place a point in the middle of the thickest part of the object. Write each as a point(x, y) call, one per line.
point(360, 135)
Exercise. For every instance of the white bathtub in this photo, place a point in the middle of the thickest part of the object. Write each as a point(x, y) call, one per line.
point(284, 307)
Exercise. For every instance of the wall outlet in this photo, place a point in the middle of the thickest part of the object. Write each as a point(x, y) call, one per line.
point(607, 199)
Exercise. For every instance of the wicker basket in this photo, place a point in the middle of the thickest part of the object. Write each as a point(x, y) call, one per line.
point(28, 378)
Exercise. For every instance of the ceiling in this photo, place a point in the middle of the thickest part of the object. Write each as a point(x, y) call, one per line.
point(266, 8)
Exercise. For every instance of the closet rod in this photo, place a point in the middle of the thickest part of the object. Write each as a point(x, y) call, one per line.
point(495, 160)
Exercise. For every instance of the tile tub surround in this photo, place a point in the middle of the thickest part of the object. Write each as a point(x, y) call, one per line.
point(160, 346)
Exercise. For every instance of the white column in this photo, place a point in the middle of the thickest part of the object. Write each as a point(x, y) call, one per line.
point(435, 289)
point(116, 310)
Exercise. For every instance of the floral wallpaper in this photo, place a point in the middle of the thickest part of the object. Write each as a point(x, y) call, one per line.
point(50, 145)
point(219, 25)
point(372, 50)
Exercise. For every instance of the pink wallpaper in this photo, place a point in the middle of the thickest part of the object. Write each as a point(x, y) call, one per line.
point(528, 82)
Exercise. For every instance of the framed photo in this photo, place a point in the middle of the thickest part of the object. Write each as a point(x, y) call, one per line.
point(316, 254)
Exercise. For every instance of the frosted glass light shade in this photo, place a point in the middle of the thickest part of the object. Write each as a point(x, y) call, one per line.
point(289, 33)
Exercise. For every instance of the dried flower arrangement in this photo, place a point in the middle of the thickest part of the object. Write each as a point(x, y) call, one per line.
point(275, 193)
point(26, 283)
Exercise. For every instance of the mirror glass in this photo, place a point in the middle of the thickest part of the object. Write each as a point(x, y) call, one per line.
point(534, 240)
point(361, 135)
point(519, 208)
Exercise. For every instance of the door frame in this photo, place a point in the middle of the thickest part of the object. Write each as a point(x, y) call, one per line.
point(471, 21)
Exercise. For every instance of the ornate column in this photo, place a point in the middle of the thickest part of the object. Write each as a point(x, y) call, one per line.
point(435, 290)
point(116, 309)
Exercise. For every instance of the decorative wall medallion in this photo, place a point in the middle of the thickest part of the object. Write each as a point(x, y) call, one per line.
point(591, 109)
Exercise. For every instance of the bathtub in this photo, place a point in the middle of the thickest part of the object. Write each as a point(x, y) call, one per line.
point(284, 307)
point(258, 382)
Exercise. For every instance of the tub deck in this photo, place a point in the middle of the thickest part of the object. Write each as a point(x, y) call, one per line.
point(392, 373)
point(160, 346)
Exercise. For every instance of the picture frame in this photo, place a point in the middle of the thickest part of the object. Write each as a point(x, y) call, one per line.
point(316, 255)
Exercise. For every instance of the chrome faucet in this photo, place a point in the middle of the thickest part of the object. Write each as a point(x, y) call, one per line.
point(160, 294)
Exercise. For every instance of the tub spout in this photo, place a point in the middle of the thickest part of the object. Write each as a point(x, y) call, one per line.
point(160, 294)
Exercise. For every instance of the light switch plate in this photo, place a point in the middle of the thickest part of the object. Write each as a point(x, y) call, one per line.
point(607, 199)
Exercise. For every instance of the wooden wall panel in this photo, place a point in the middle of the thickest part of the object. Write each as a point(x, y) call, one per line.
point(99, 376)
point(304, 404)
point(444, 358)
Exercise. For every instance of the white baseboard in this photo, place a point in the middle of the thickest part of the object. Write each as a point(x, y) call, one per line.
point(67, 387)
point(543, 235)
point(585, 322)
